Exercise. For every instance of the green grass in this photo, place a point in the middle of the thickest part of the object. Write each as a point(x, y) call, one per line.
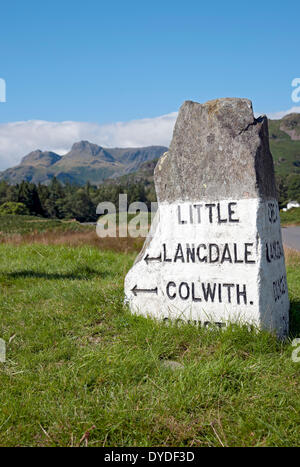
point(15, 224)
point(77, 360)
point(290, 217)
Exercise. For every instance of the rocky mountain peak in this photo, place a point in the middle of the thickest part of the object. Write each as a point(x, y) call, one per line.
point(40, 158)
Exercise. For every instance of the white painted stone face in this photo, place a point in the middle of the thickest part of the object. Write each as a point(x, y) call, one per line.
point(213, 262)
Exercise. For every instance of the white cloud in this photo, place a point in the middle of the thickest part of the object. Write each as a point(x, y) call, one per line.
point(19, 138)
point(283, 113)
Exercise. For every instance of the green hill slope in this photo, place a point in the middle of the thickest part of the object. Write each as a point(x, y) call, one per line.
point(285, 144)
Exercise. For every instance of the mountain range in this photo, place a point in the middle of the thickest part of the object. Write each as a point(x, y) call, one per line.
point(84, 162)
point(90, 162)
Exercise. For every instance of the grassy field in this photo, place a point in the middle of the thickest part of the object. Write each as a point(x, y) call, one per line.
point(81, 370)
point(31, 225)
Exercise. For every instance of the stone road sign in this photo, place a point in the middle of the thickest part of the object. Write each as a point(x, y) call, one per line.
point(214, 252)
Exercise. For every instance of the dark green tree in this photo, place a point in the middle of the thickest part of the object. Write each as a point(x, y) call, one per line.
point(28, 195)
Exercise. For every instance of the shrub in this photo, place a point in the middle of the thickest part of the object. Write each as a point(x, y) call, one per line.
point(10, 207)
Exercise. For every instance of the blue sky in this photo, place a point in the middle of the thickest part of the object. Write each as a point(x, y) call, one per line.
point(103, 62)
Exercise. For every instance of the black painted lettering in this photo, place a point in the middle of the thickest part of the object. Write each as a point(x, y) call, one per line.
point(279, 288)
point(185, 286)
point(180, 221)
point(226, 256)
point(191, 214)
point(236, 260)
point(272, 212)
point(194, 298)
point(167, 260)
point(220, 292)
point(171, 284)
point(217, 253)
point(204, 259)
point(268, 253)
point(275, 291)
point(248, 253)
point(229, 287)
point(190, 253)
point(209, 292)
point(231, 212)
point(241, 294)
point(206, 324)
point(179, 254)
point(220, 220)
point(194, 322)
point(273, 251)
point(210, 206)
point(198, 207)
point(220, 325)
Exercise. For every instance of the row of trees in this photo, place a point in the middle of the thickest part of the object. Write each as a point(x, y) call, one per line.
point(68, 201)
point(80, 202)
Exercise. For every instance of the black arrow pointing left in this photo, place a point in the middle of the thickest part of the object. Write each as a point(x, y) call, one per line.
point(135, 290)
point(148, 258)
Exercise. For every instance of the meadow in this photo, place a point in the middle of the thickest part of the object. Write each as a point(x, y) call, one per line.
point(81, 370)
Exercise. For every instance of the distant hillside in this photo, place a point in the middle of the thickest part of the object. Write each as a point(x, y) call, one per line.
point(144, 174)
point(85, 162)
point(285, 144)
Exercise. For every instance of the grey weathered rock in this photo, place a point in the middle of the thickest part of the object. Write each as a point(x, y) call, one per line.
point(218, 151)
point(215, 245)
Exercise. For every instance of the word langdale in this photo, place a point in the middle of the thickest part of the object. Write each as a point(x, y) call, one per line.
point(214, 251)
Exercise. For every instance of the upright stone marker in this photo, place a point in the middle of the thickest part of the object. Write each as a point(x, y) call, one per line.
point(214, 252)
